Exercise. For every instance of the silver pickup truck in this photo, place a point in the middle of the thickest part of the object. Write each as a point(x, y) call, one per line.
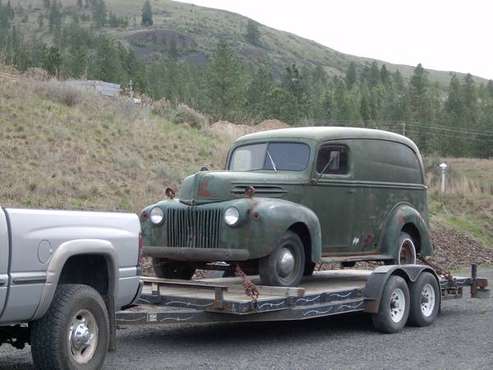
point(63, 274)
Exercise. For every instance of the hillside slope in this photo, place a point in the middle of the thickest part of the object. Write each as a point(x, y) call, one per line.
point(62, 148)
point(195, 32)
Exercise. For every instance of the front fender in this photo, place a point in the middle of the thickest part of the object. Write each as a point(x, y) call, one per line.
point(267, 220)
point(401, 215)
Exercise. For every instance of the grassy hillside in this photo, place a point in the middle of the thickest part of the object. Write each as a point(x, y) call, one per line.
point(62, 148)
point(196, 30)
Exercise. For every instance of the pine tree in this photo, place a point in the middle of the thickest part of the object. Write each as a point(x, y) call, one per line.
point(384, 75)
point(147, 14)
point(52, 61)
point(99, 13)
point(351, 75)
point(252, 33)
point(226, 90)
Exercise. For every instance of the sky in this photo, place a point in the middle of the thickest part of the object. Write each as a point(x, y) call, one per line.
point(447, 35)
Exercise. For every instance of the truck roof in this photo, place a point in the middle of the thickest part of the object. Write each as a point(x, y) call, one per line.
point(323, 133)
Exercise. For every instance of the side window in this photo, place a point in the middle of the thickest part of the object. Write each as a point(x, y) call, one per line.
point(333, 159)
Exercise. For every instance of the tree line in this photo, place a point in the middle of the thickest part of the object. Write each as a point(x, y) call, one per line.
point(456, 120)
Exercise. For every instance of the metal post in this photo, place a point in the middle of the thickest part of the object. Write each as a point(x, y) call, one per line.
point(443, 166)
point(474, 277)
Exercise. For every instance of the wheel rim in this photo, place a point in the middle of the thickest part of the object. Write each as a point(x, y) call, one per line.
point(427, 300)
point(286, 262)
point(397, 305)
point(83, 336)
point(407, 252)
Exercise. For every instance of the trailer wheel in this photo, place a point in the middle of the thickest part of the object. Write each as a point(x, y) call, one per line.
point(425, 300)
point(74, 333)
point(394, 306)
point(172, 270)
point(286, 264)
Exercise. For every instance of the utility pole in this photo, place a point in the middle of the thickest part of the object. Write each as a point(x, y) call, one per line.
point(403, 128)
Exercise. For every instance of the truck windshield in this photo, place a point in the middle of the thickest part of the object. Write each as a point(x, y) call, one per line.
point(271, 157)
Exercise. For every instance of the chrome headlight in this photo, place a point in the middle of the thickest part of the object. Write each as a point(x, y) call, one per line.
point(231, 216)
point(156, 215)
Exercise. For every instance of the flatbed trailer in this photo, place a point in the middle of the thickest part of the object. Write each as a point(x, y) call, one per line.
point(393, 295)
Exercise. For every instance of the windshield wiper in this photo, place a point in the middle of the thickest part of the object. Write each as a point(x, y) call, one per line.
point(327, 165)
point(272, 161)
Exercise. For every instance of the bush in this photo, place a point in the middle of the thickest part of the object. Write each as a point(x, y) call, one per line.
point(59, 92)
point(180, 113)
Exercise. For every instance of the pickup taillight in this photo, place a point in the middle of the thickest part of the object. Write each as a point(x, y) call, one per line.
point(141, 250)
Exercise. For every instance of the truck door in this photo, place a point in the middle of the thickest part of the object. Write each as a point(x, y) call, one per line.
point(333, 197)
point(4, 260)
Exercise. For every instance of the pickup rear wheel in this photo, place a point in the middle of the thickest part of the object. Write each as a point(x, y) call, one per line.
point(286, 264)
point(172, 270)
point(74, 333)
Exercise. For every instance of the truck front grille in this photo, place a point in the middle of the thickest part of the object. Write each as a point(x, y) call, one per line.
point(193, 228)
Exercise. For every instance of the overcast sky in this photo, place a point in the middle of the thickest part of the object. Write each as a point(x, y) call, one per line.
point(440, 34)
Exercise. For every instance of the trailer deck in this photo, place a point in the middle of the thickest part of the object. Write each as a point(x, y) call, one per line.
point(223, 299)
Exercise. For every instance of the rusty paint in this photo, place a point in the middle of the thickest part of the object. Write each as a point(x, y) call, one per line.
point(203, 190)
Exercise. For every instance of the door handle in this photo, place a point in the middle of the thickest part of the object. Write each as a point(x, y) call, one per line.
point(351, 191)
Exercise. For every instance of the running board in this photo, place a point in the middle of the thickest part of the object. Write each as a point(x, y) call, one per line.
point(366, 257)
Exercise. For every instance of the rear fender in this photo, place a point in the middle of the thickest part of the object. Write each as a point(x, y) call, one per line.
point(401, 215)
point(75, 248)
point(376, 283)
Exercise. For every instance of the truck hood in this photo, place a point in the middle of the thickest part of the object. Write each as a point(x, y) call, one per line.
point(218, 186)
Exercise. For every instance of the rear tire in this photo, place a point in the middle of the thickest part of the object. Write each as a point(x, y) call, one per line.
point(285, 266)
point(406, 251)
point(75, 332)
point(393, 311)
point(171, 269)
point(425, 300)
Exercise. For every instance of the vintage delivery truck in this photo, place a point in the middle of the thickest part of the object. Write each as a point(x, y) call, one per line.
point(291, 198)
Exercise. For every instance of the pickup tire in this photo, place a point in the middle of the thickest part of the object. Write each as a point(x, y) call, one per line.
point(285, 266)
point(74, 333)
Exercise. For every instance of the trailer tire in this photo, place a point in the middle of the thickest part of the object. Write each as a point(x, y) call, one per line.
point(285, 266)
point(393, 311)
point(425, 300)
point(79, 311)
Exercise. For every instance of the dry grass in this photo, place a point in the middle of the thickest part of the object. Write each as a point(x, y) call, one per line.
point(76, 150)
point(467, 205)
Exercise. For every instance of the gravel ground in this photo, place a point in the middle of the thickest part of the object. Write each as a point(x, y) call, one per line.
point(461, 338)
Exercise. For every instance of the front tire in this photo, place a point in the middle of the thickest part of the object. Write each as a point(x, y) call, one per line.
point(285, 266)
point(74, 333)
point(393, 311)
point(171, 269)
point(425, 300)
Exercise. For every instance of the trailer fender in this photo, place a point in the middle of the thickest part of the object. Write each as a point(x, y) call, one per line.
point(376, 283)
